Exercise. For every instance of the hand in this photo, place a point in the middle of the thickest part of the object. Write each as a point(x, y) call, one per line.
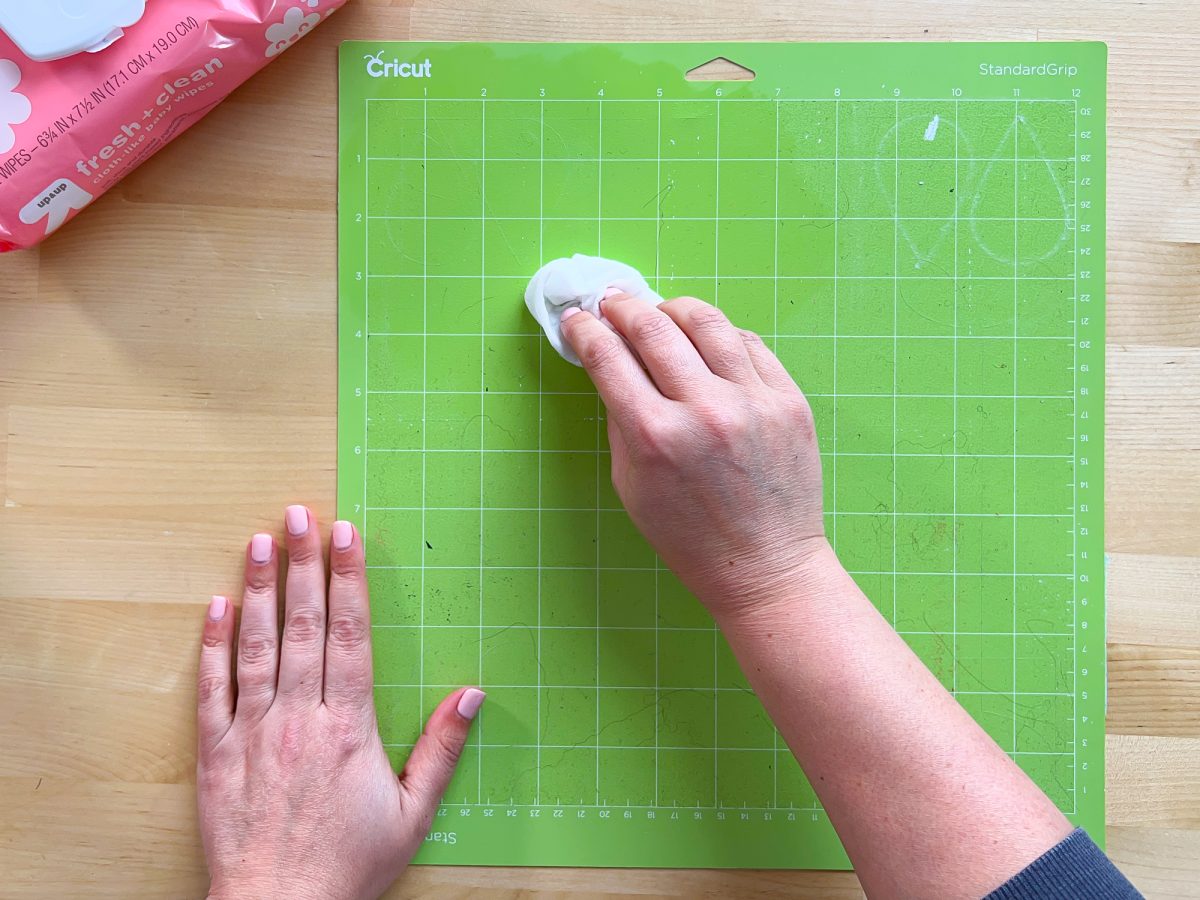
point(297, 798)
point(713, 449)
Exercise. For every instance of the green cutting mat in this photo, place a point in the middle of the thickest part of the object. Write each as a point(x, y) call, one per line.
point(918, 231)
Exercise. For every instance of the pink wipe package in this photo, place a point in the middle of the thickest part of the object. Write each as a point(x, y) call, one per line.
point(90, 88)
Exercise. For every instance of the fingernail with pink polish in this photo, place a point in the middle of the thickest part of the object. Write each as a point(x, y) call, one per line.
point(343, 535)
point(297, 520)
point(216, 608)
point(612, 292)
point(568, 312)
point(469, 703)
point(260, 548)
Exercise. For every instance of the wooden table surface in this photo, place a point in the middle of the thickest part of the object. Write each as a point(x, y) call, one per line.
point(167, 381)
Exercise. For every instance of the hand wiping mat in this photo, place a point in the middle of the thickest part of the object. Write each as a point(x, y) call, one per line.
point(579, 282)
point(918, 232)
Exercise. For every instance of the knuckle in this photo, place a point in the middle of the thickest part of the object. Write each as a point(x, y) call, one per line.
point(801, 416)
point(800, 409)
point(683, 301)
point(791, 412)
point(672, 367)
point(601, 353)
point(260, 580)
point(303, 626)
point(647, 436)
point(347, 732)
point(348, 567)
point(210, 686)
point(707, 318)
point(726, 359)
point(726, 424)
point(655, 440)
point(255, 648)
point(447, 750)
point(752, 338)
point(653, 329)
point(305, 554)
point(213, 640)
point(349, 632)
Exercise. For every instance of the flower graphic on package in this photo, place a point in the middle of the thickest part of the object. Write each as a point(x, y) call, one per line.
point(294, 26)
point(14, 107)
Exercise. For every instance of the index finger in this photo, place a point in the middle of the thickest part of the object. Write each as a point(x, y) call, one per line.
point(622, 383)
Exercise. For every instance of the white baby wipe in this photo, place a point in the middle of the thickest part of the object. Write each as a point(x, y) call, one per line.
point(53, 29)
point(579, 281)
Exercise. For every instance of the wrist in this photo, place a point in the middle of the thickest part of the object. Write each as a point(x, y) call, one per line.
point(769, 596)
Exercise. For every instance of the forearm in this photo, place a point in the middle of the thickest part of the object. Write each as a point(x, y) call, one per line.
point(903, 771)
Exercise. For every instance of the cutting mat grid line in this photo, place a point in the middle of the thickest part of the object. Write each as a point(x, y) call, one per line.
point(775, 349)
point(596, 401)
point(541, 369)
point(914, 263)
point(716, 300)
point(479, 792)
point(1016, 317)
point(657, 560)
point(895, 345)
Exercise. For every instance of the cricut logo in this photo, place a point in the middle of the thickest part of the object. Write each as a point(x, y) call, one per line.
point(378, 68)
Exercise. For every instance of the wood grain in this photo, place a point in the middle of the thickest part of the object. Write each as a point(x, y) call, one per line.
point(167, 384)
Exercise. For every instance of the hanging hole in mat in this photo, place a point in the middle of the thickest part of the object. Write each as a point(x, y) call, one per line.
point(720, 68)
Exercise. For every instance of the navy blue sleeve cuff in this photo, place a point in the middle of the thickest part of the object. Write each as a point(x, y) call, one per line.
point(1074, 868)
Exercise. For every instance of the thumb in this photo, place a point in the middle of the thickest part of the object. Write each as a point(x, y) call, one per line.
point(433, 759)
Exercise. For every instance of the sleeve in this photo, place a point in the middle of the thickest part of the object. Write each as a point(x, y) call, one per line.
point(1074, 868)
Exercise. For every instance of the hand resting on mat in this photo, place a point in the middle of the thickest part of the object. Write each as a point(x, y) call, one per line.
point(297, 798)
